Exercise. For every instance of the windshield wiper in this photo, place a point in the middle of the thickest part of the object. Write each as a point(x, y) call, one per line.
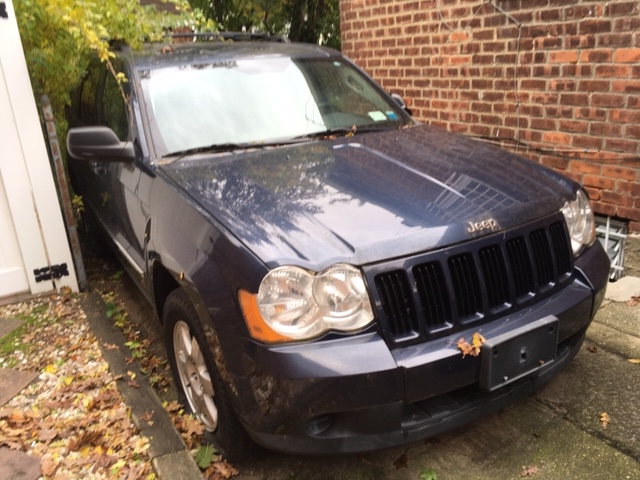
point(331, 133)
point(224, 147)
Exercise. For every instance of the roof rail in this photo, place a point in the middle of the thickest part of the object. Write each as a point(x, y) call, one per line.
point(235, 36)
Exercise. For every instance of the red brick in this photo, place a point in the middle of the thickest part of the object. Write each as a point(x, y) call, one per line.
point(592, 193)
point(627, 55)
point(605, 100)
point(604, 209)
point(629, 213)
point(625, 187)
point(459, 36)
point(594, 86)
point(625, 86)
point(632, 131)
point(556, 137)
point(615, 9)
point(564, 56)
point(617, 198)
point(579, 41)
point(595, 56)
point(575, 99)
point(533, 84)
point(599, 182)
point(591, 113)
point(594, 26)
point(634, 227)
point(620, 145)
point(573, 127)
point(612, 71)
point(579, 166)
point(617, 40)
point(624, 173)
point(605, 129)
point(543, 124)
point(562, 85)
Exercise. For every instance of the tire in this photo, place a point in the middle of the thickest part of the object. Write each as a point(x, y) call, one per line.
point(198, 381)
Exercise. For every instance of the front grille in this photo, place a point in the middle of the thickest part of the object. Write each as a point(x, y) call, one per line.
point(437, 293)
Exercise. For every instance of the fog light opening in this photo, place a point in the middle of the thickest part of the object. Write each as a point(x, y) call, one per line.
point(318, 425)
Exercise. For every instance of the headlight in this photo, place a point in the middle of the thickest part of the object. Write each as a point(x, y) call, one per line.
point(580, 222)
point(298, 304)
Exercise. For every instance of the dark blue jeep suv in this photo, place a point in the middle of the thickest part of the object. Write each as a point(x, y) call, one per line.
point(331, 275)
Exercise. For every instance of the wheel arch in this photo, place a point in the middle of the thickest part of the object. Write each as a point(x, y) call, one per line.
point(163, 284)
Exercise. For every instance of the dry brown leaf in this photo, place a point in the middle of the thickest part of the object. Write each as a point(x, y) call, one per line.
point(464, 347)
point(635, 361)
point(472, 349)
point(46, 435)
point(220, 470)
point(632, 302)
point(593, 349)
point(604, 420)
point(529, 471)
point(401, 461)
point(47, 465)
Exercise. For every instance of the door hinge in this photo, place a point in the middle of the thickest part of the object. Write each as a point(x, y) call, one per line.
point(54, 271)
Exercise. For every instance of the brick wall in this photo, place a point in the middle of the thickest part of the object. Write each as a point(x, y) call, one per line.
point(558, 79)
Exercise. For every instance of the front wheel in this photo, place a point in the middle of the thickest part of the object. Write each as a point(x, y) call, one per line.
point(198, 380)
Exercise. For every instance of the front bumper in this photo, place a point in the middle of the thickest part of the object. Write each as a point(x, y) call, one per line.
point(355, 394)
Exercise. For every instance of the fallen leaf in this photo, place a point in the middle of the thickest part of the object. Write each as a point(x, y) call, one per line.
point(464, 347)
point(110, 346)
point(401, 461)
point(46, 435)
point(428, 474)
point(529, 471)
point(593, 349)
point(47, 466)
point(146, 416)
point(472, 349)
point(604, 420)
point(635, 361)
point(632, 302)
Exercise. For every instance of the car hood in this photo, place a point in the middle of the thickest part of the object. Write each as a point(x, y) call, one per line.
point(370, 197)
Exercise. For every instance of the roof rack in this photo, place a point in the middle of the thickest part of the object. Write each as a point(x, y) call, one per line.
point(235, 36)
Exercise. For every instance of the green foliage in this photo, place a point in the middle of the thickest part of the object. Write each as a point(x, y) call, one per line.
point(428, 474)
point(205, 456)
point(60, 36)
point(311, 21)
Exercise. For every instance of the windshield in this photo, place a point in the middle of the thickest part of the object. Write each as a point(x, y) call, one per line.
point(260, 100)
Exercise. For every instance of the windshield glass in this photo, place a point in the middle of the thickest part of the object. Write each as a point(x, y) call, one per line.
point(260, 100)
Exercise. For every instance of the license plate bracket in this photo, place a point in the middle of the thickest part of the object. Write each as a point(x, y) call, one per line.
point(513, 355)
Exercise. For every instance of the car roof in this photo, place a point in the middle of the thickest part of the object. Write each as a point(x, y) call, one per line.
point(157, 55)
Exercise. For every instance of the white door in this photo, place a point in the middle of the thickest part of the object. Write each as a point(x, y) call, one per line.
point(13, 278)
point(33, 242)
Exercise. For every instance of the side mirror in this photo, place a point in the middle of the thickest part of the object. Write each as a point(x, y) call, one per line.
point(98, 143)
point(398, 99)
